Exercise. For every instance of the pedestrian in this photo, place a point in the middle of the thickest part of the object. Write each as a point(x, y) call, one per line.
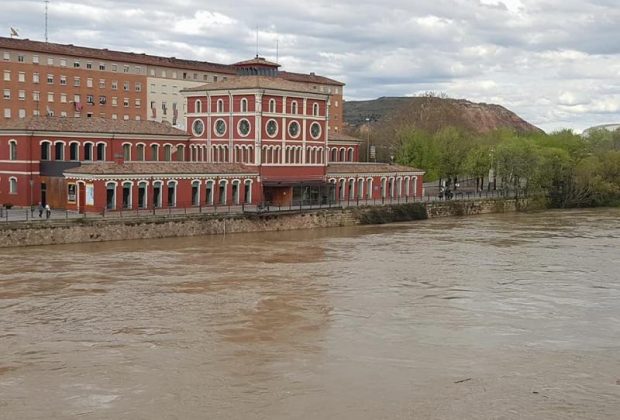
point(48, 211)
point(40, 208)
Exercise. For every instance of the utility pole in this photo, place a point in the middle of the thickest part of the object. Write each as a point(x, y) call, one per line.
point(367, 139)
point(46, 3)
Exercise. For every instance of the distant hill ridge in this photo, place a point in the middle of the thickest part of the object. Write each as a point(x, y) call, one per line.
point(432, 113)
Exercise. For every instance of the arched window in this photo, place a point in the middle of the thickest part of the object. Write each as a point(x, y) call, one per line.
point(350, 157)
point(74, 151)
point(360, 188)
point(140, 152)
point(157, 187)
point(167, 153)
point(154, 152)
point(88, 151)
point(209, 193)
point(343, 157)
point(195, 193)
point(59, 151)
point(351, 189)
point(46, 147)
point(272, 106)
point(247, 191)
point(12, 150)
point(342, 185)
point(110, 195)
point(12, 185)
point(315, 110)
point(127, 198)
point(180, 153)
point(198, 106)
point(127, 151)
point(101, 151)
point(172, 193)
point(235, 191)
point(222, 192)
point(143, 194)
point(334, 155)
point(244, 105)
point(220, 105)
point(369, 188)
point(294, 107)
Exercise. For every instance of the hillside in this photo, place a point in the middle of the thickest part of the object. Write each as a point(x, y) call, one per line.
point(431, 114)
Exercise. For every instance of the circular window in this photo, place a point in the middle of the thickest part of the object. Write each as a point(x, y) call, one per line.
point(220, 127)
point(293, 129)
point(272, 128)
point(315, 130)
point(243, 127)
point(198, 127)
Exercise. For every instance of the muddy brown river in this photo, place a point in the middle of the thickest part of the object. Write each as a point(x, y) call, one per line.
point(513, 316)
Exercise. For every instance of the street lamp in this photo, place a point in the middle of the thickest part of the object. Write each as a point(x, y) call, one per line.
point(367, 139)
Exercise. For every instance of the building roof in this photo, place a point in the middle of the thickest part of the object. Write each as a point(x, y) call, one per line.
point(375, 168)
point(343, 137)
point(256, 61)
point(152, 168)
point(71, 50)
point(254, 82)
point(91, 125)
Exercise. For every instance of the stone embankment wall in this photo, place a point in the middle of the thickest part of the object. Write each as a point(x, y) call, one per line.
point(96, 230)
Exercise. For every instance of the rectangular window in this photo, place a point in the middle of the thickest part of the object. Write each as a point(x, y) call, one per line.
point(89, 65)
point(7, 75)
point(101, 83)
point(174, 74)
point(21, 76)
point(138, 103)
point(205, 77)
point(36, 113)
point(138, 87)
point(50, 97)
point(114, 67)
point(63, 98)
point(6, 56)
point(152, 88)
point(102, 100)
point(77, 99)
point(76, 64)
point(138, 69)
point(63, 113)
point(20, 58)
point(152, 72)
point(22, 113)
point(50, 61)
point(35, 77)
point(114, 84)
point(126, 102)
point(35, 59)
point(138, 118)
point(114, 116)
point(195, 76)
point(63, 62)
point(36, 96)
point(126, 86)
point(215, 78)
point(63, 80)
point(50, 79)
point(164, 108)
point(125, 69)
point(7, 112)
point(90, 99)
point(7, 93)
point(126, 117)
point(22, 95)
point(114, 101)
point(163, 73)
point(76, 81)
point(101, 66)
point(89, 82)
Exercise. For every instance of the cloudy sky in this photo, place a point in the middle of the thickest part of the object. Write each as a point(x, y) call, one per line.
point(556, 63)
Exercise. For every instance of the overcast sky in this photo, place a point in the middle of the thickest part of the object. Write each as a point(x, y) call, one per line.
point(556, 63)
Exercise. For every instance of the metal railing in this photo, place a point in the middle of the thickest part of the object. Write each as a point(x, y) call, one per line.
point(188, 209)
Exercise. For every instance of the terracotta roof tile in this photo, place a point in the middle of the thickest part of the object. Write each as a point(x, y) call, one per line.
point(343, 137)
point(256, 61)
point(141, 168)
point(360, 167)
point(92, 125)
point(254, 82)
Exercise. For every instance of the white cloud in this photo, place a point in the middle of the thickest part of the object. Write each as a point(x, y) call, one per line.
point(554, 62)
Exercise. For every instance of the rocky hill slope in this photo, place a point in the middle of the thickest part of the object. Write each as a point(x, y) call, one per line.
point(431, 114)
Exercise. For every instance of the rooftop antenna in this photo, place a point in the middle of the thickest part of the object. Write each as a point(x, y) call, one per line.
point(256, 41)
point(46, 3)
point(14, 33)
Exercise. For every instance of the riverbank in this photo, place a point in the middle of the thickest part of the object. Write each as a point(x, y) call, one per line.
point(98, 230)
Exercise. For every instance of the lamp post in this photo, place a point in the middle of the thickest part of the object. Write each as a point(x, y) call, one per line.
point(367, 139)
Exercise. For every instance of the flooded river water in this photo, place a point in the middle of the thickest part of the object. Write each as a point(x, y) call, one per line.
point(513, 316)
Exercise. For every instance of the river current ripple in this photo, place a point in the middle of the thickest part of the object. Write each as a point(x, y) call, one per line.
point(512, 316)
